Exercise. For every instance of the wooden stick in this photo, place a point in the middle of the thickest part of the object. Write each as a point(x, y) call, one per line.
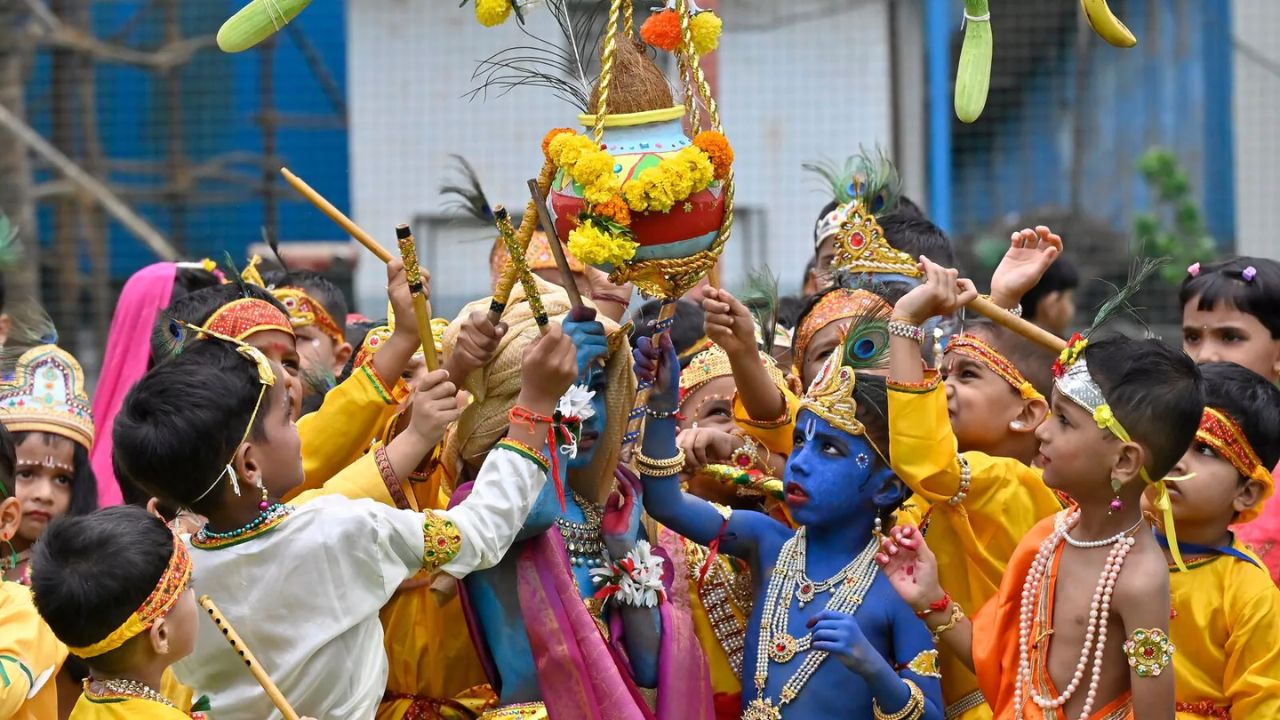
point(1026, 329)
point(336, 215)
point(238, 645)
point(553, 240)
point(421, 307)
point(521, 267)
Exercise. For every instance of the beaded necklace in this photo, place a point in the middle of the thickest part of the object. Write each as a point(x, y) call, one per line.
point(124, 688)
point(583, 539)
point(267, 520)
point(1034, 591)
point(721, 591)
point(775, 644)
point(9, 562)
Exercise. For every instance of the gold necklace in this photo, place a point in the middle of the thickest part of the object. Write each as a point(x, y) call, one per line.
point(776, 644)
point(123, 687)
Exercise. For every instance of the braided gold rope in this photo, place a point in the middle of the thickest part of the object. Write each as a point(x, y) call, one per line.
point(502, 289)
point(629, 18)
point(687, 59)
point(606, 69)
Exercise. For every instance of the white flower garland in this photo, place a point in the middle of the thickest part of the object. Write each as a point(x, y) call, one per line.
point(635, 580)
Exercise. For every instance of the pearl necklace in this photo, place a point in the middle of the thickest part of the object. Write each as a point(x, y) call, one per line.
point(1090, 544)
point(1033, 589)
point(775, 644)
point(123, 687)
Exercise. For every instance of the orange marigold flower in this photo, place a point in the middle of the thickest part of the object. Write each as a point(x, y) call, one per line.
point(662, 30)
point(615, 209)
point(718, 149)
point(546, 140)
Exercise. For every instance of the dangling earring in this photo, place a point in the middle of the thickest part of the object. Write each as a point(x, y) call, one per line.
point(13, 554)
point(877, 529)
point(1116, 504)
point(937, 348)
point(265, 503)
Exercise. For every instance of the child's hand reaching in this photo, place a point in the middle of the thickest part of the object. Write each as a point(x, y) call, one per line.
point(1030, 254)
point(549, 367)
point(729, 323)
point(476, 345)
point(436, 405)
point(942, 293)
point(659, 366)
point(707, 446)
point(910, 566)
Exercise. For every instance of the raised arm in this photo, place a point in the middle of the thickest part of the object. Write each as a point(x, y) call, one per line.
point(730, 326)
point(686, 514)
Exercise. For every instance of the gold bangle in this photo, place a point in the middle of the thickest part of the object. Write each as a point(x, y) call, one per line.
point(660, 468)
point(957, 614)
point(913, 710)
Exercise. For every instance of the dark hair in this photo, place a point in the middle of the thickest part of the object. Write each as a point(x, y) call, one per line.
point(1223, 283)
point(184, 420)
point(789, 309)
point(197, 308)
point(687, 331)
point(1060, 277)
point(1251, 400)
point(810, 268)
point(84, 485)
point(89, 573)
point(873, 412)
point(916, 236)
point(318, 287)
point(1155, 392)
point(8, 462)
point(188, 280)
point(1033, 361)
point(357, 333)
point(906, 206)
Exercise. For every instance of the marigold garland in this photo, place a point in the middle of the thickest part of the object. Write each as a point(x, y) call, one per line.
point(705, 28)
point(603, 235)
point(492, 12)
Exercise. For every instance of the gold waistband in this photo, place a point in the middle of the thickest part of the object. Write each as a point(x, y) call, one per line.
point(964, 705)
point(535, 710)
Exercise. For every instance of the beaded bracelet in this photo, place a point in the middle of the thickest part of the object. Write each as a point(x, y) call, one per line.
point(913, 710)
point(907, 330)
point(957, 614)
point(1015, 311)
point(389, 477)
point(660, 415)
point(966, 478)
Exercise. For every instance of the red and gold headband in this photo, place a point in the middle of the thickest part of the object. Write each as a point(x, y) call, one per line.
point(306, 311)
point(1222, 433)
point(174, 582)
point(978, 350)
point(244, 317)
point(835, 306)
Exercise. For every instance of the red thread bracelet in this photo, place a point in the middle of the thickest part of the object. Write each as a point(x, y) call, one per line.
point(937, 605)
point(525, 416)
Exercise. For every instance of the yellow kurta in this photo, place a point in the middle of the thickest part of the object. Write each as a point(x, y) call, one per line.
point(1226, 628)
point(975, 537)
point(775, 435)
point(345, 426)
point(114, 708)
point(30, 656)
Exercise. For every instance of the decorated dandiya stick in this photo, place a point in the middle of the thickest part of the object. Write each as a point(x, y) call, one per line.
point(553, 241)
point(1025, 328)
point(507, 278)
point(228, 632)
point(336, 215)
point(421, 306)
point(639, 411)
point(521, 268)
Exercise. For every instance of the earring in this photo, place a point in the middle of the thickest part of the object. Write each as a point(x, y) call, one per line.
point(265, 503)
point(1116, 504)
point(13, 554)
point(877, 529)
point(1016, 425)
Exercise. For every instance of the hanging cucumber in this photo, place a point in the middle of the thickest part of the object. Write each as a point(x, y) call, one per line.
point(257, 21)
point(973, 76)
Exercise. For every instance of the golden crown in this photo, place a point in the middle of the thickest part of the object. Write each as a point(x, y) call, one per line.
point(46, 394)
point(713, 363)
point(831, 398)
point(861, 247)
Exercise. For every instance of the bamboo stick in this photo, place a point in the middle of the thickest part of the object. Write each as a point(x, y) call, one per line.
point(1025, 328)
point(336, 215)
point(553, 240)
point(421, 307)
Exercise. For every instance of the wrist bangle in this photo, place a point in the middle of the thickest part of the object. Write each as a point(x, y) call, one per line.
point(907, 330)
point(957, 614)
point(660, 415)
point(660, 468)
point(1015, 311)
point(913, 710)
point(936, 605)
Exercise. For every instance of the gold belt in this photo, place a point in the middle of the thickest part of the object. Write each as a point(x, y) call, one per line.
point(964, 705)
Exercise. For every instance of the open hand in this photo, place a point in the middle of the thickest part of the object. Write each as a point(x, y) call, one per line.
point(476, 345)
point(621, 523)
point(658, 365)
point(728, 322)
point(436, 405)
point(841, 636)
point(549, 367)
point(1030, 254)
point(942, 293)
point(910, 566)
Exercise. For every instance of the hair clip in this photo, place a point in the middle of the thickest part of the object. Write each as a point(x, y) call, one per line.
point(1249, 273)
point(1194, 269)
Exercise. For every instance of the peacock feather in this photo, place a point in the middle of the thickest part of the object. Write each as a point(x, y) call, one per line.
point(761, 297)
point(871, 177)
point(468, 195)
point(1119, 302)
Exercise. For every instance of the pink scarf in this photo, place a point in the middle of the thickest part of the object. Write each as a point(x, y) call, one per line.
point(128, 350)
point(1262, 535)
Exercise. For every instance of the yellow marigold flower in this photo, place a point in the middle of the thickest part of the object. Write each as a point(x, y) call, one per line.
point(1103, 416)
point(634, 193)
point(591, 166)
point(705, 29)
point(596, 246)
point(492, 12)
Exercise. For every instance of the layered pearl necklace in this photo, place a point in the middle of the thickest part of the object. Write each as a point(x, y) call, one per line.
point(1099, 613)
point(776, 644)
